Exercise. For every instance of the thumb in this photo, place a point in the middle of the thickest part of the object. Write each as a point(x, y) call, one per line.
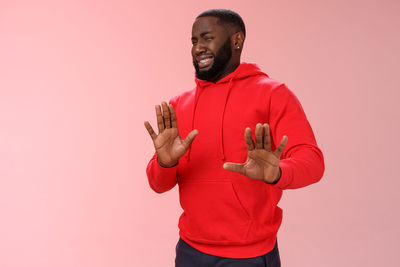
point(234, 167)
point(190, 137)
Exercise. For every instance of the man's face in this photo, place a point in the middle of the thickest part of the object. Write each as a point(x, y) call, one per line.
point(211, 50)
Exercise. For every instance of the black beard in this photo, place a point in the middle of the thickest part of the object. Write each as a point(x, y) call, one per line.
point(221, 59)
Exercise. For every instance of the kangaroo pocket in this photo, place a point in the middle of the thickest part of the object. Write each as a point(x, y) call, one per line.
point(213, 213)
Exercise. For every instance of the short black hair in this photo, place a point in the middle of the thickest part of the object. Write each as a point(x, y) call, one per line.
point(225, 16)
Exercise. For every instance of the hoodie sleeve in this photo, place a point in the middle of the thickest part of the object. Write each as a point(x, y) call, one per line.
point(162, 179)
point(302, 162)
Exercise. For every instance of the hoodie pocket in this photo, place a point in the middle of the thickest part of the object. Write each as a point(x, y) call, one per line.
point(213, 213)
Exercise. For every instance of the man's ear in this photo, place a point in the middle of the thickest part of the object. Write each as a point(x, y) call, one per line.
point(237, 40)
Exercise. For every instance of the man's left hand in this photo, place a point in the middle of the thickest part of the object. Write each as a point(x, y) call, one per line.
point(262, 163)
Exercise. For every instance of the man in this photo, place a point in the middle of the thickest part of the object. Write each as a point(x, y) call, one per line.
point(229, 188)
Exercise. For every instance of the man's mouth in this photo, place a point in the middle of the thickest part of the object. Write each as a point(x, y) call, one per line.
point(204, 61)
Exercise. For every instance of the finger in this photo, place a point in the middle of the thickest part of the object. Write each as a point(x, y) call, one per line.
point(189, 138)
point(258, 136)
point(160, 120)
point(166, 115)
point(234, 167)
point(150, 130)
point(248, 139)
point(282, 145)
point(267, 137)
point(174, 122)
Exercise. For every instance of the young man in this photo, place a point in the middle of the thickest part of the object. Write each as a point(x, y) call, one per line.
point(229, 188)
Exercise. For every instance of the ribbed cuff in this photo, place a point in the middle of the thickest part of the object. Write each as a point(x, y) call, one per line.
point(286, 175)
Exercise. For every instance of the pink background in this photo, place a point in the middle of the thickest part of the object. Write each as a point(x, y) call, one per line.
point(78, 78)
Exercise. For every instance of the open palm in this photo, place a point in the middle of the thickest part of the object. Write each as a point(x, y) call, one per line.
point(262, 163)
point(168, 143)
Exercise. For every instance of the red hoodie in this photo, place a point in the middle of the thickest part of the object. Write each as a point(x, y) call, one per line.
point(227, 214)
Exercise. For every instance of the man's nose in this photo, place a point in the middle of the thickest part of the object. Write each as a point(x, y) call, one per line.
point(199, 48)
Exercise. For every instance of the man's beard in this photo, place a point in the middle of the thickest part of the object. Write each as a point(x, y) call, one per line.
point(221, 58)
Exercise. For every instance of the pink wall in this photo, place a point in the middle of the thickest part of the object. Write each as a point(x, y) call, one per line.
point(78, 78)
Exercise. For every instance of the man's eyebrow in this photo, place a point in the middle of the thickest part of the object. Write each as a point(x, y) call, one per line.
point(204, 33)
point(201, 35)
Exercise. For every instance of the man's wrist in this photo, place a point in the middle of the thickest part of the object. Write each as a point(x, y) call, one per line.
point(277, 179)
point(166, 166)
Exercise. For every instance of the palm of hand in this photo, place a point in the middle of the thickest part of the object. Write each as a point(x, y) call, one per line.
point(168, 143)
point(169, 146)
point(262, 163)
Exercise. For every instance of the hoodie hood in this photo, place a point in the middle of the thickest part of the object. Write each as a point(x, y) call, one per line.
point(244, 70)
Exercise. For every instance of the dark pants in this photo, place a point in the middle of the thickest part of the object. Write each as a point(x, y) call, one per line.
point(187, 256)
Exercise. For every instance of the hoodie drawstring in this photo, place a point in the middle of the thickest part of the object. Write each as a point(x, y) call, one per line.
point(196, 99)
point(223, 117)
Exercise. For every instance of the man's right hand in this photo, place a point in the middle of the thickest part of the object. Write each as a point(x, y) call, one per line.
point(168, 143)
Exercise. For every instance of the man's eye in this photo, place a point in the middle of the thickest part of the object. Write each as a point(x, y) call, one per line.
point(209, 38)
